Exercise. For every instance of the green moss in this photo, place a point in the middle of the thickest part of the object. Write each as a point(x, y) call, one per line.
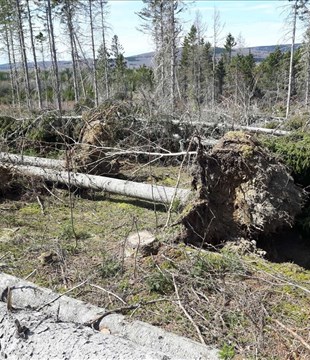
point(168, 181)
point(294, 311)
point(227, 352)
point(247, 151)
point(31, 210)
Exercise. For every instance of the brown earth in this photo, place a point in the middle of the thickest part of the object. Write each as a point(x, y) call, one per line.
point(241, 191)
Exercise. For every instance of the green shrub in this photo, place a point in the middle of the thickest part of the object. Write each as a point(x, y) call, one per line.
point(294, 150)
point(110, 267)
point(227, 352)
point(160, 283)
point(217, 264)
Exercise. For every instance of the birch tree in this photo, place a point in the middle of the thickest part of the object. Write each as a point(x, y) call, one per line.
point(218, 79)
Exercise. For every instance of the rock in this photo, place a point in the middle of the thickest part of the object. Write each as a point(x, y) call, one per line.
point(143, 241)
point(241, 191)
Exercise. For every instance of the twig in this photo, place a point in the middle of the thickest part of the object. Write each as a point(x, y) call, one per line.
point(29, 275)
point(186, 313)
point(286, 282)
point(177, 184)
point(7, 253)
point(41, 205)
point(109, 292)
point(46, 188)
point(9, 305)
point(293, 333)
point(60, 295)
point(137, 249)
point(95, 322)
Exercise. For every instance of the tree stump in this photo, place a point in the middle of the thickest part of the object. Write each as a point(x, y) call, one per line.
point(143, 242)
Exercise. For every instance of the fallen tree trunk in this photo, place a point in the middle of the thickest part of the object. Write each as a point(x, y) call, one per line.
point(228, 126)
point(37, 323)
point(61, 164)
point(32, 161)
point(156, 193)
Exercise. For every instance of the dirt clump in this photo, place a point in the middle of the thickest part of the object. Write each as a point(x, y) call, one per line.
point(6, 178)
point(241, 191)
point(102, 126)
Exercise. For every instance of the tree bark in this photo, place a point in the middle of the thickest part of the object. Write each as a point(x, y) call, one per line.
point(104, 49)
point(38, 167)
point(69, 18)
point(12, 79)
point(55, 328)
point(32, 161)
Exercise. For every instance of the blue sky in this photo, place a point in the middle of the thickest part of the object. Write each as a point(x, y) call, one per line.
point(258, 22)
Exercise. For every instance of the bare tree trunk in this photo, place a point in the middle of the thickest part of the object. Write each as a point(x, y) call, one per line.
point(16, 83)
point(12, 80)
point(54, 53)
point(36, 70)
point(290, 76)
point(217, 29)
point(172, 54)
point(149, 192)
point(23, 52)
point(69, 20)
point(95, 82)
point(77, 42)
point(104, 48)
point(59, 327)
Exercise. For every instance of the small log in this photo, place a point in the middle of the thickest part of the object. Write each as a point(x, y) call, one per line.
point(149, 192)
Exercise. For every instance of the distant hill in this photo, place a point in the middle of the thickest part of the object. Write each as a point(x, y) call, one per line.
point(259, 52)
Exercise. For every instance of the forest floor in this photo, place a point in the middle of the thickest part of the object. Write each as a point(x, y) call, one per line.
point(233, 298)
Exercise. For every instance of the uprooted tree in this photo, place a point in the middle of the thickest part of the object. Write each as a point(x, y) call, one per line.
point(241, 191)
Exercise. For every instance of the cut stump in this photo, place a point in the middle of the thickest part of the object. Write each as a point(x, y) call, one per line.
point(142, 242)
